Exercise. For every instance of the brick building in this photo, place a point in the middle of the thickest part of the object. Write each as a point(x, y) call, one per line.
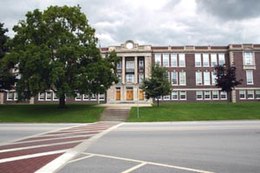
point(190, 71)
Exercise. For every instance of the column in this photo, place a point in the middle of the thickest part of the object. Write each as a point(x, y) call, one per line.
point(123, 70)
point(1, 98)
point(136, 70)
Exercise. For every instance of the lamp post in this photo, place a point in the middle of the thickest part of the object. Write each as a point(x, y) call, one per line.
point(137, 109)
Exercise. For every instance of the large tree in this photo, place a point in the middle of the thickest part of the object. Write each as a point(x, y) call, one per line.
point(57, 49)
point(7, 79)
point(226, 78)
point(158, 85)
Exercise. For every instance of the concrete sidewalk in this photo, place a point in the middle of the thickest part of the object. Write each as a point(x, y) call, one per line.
point(115, 114)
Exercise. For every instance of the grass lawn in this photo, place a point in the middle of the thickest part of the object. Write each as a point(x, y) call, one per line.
point(76, 113)
point(197, 112)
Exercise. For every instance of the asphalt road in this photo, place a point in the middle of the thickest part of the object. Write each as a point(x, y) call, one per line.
point(14, 131)
point(224, 147)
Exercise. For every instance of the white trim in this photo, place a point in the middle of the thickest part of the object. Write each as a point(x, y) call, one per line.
point(180, 95)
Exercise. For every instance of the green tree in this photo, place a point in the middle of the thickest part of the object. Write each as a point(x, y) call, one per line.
point(158, 85)
point(7, 79)
point(56, 49)
point(226, 78)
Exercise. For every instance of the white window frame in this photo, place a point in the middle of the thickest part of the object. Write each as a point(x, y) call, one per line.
point(167, 97)
point(257, 94)
point(157, 59)
point(253, 94)
point(248, 58)
point(221, 59)
point(175, 93)
point(222, 93)
point(127, 77)
point(215, 92)
point(198, 78)
point(242, 92)
point(14, 96)
point(207, 93)
point(199, 93)
point(101, 97)
point(176, 77)
point(205, 57)
point(181, 94)
point(85, 97)
point(40, 96)
point(197, 60)
point(93, 97)
point(182, 62)
point(78, 97)
point(165, 60)
point(182, 78)
point(54, 97)
point(46, 96)
point(206, 78)
point(174, 61)
point(249, 75)
point(213, 58)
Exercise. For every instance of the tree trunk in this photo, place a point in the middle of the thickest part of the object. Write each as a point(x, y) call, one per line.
point(157, 102)
point(62, 101)
point(229, 95)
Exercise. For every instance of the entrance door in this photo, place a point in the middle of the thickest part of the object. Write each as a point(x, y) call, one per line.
point(129, 94)
point(141, 94)
point(118, 94)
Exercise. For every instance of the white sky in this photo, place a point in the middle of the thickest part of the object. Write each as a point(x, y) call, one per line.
point(156, 22)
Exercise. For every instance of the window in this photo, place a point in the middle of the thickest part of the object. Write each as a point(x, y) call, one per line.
point(102, 97)
point(54, 97)
point(174, 76)
point(141, 63)
point(249, 77)
point(119, 65)
point(85, 97)
point(213, 78)
point(182, 78)
point(166, 60)
point(257, 94)
point(242, 94)
point(174, 95)
point(199, 95)
point(206, 78)
point(93, 97)
point(167, 97)
point(182, 95)
point(223, 95)
point(248, 58)
point(250, 94)
point(130, 64)
point(198, 78)
point(157, 59)
point(182, 60)
point(140, 77)
point(221, 59)
point(78, 97)
point(215, 95)
point(41, 96)
point(11, 96)
point(48, 96)
point(197, 60)
point(130, 78)
point(207, 95)
point(169, 76)
point(205, 60)
point(174, 60)
point(214, 60)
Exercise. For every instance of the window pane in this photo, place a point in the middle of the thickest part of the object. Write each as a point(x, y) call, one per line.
point(174, 60)
point(198, 78)
point(207, 95)
point(78, 97)
point(174, 77)
point(215, 95)
point(248, 58)
point(213, 60)
point(205, 60)
point(166, 60)
point(206, 78)
point(41, 96)
point(182, 60)
point(250, 94)
point(174, 95)
point(130, 78)
point(249, 77)
point(182, 78)
point(213, 78)
point(242, 94)
point(223, 95)
point(221, 58)
point(197, 60)
point(257, 94)
point(199, 95)
point(141, 77)
point(158, 59)
point(182, 95)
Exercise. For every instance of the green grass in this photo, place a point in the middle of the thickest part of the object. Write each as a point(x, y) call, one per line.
point(197, 112)
point(76, 113)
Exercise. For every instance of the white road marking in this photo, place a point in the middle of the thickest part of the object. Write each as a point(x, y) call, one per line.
point(81, 158)
point(61, 161)
point(31, 156)
point(151, 163)
point(37, 146)
point(134, 168)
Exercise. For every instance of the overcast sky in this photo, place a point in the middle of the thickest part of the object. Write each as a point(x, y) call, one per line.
point(156, 22)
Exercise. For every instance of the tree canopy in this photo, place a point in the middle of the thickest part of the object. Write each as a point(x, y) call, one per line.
point(158, 85)
point(57, 49)
point(226, 78)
